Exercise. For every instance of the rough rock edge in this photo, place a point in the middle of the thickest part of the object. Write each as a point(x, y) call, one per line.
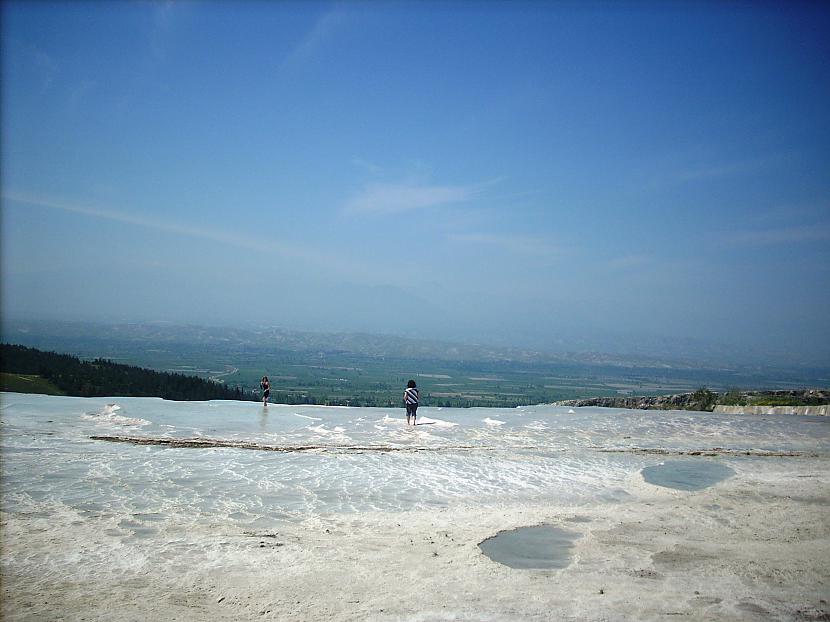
point(207, 443)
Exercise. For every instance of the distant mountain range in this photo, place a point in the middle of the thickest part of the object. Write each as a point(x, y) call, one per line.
point(366, 369)
point(85, 338)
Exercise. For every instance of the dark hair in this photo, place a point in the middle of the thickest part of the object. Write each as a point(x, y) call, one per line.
point(410, 384)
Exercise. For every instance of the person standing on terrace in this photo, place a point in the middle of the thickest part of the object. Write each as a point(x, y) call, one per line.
point(265, 385)
point(410, 398)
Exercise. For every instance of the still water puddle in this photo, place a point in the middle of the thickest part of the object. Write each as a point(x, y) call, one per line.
point(687, 474)
point(541, 546)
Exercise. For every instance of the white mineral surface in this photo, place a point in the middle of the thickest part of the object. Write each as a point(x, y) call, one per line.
point(315, 513)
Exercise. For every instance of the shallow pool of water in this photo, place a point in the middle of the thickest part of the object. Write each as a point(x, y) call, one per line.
point(687, 474)
point(540, 546)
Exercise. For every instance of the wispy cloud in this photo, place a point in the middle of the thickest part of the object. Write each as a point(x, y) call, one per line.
point(164, 17)
point(31, 62)
point(47, 68)
point(404, 197)
point(369, 167)
point(723, 169)
point(779, 216)
point(331, 262)
point(166, 226)
point(628, 262)
point(782, 235)
point(515, 244)
point(167, 18)
point(80, 92)
point(679, 173)
point(314, 39)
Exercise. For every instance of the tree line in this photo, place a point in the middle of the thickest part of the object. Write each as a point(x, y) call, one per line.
point(102, 377)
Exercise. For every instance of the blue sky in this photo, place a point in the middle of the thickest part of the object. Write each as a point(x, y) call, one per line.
point(530, 173)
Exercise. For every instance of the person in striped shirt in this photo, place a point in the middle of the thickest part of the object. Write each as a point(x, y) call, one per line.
point(410, 398)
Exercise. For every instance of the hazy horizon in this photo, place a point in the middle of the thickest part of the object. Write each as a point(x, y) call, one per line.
point(528, 174)
point(612, 348)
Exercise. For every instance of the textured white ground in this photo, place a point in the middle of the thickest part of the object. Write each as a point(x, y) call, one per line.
point(753, 547)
